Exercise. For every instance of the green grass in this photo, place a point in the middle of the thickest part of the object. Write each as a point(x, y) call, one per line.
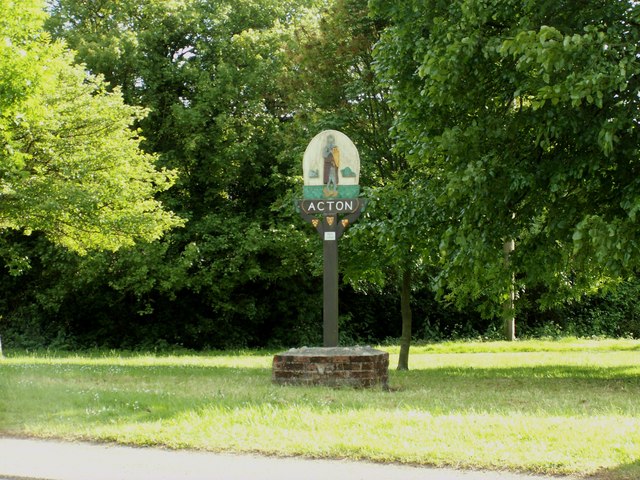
point(554, 407)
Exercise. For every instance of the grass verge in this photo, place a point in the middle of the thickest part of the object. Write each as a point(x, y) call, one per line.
point(566, 407)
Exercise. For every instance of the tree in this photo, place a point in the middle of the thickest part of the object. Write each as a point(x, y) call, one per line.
point(525, 114)
point(393, 246)
point(70, 164)
point(208, 74)
point(335, 86)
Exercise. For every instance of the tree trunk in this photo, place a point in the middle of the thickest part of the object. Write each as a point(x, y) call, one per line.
point(405, 309)
point(508, 307)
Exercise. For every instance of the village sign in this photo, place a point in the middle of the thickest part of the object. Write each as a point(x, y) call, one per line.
point(331, 170)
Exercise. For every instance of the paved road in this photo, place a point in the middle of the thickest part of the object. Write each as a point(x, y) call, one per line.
point(22, 459)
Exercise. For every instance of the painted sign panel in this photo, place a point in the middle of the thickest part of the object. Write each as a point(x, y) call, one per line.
point(326, 206)
point(331, 167)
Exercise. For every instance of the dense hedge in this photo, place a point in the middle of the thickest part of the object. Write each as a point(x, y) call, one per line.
point(290, 317)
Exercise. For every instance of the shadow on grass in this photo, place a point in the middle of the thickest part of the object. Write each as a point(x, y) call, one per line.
point(628, 471)
point(33, 395)
point(101, 400)
point(102, 394)
point(537, 371)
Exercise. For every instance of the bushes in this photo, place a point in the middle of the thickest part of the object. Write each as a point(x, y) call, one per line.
point(39, 311)
point(612, 313)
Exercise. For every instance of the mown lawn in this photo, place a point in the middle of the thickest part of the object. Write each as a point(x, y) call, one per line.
point(546, 407)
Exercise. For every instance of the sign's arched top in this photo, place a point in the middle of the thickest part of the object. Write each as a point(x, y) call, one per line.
point(331, 167)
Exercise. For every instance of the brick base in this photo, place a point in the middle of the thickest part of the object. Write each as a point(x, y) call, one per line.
point(335, 367)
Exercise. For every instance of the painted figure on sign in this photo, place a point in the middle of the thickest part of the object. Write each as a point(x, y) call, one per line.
point(331, 167)
point(331, 157)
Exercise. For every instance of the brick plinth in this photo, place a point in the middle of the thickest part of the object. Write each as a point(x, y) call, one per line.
point(336, 367)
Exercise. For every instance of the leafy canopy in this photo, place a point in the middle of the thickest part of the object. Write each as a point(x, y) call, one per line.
point(70, 163)
point(525, 113)
point(208, 72)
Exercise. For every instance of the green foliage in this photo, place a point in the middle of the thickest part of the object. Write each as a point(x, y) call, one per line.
point(525, 114)
point(332, 84)
point(238, 272)
point(70, 165)
point(611, 313)
point(502, 108)
point(24, 41)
